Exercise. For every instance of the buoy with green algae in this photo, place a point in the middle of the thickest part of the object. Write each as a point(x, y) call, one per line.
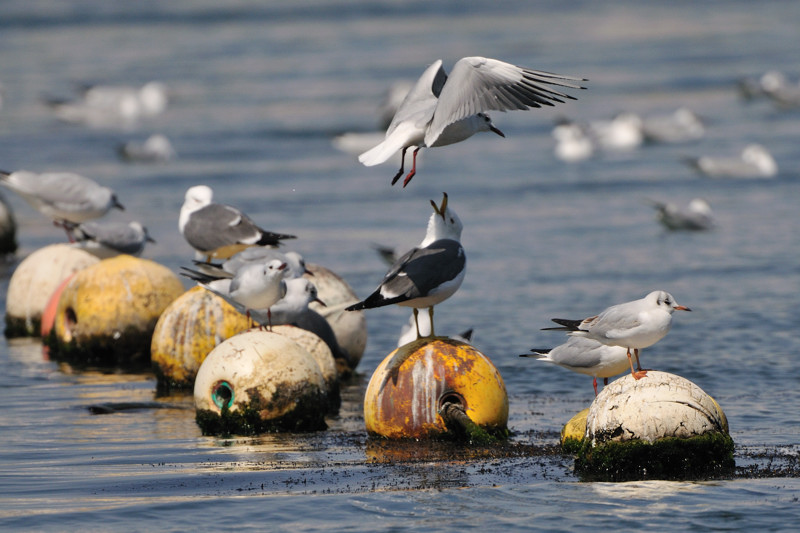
point(662, 426)
point(256, 382)
point(436, 387)
point(107, 313)
point(188, 329)
point(34, 281)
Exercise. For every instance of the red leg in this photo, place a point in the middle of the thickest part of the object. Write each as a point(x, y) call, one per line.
point(636, 375)
point(402, 166)
point(594, 382)
point(413, 168)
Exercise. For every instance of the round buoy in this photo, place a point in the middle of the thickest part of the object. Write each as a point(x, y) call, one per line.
point(321, 354)
point(188, 329)
point(34, 281)
point(107, 312)
point(350, 327)
point(659, 427)
point(424, 388)
point(573, 432)
point(259, 381)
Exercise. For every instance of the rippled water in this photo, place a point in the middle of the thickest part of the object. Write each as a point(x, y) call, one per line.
point(259, 89)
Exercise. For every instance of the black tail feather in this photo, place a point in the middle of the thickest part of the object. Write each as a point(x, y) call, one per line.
point(566, 325)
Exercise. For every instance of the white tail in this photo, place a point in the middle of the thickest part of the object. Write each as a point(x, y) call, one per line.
point(380, 153)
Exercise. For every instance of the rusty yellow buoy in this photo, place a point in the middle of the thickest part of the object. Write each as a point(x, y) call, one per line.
point(188, 329)
point(408, 391)
point(33, 283)
point(349, 327)
point(661, 426)
point(107, 312)
point(259, 381)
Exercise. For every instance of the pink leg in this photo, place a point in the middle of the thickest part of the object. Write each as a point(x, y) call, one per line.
point(594, 382)
point(413, 168)
point(402, 166)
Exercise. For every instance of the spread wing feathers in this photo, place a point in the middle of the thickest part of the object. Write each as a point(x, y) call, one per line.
point(479, 84)
point(418, 272)
point(218, 225)
point(420, 101)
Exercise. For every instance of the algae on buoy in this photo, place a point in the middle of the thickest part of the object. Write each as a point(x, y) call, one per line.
point(107, 312)
point(436, 387)
point(659, 427)
point(259, 381)
point(188, 329)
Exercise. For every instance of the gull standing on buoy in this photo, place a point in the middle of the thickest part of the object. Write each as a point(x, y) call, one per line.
point(253, 287)
point(219, 230)
point(428, 274)
point(67, 198)
point(112, 238)
point(441, 110)
point(632, 325)
point(585, 356)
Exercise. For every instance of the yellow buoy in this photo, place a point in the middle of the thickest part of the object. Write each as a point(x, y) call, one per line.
point(107, 312)
point(349, 327)
point(34, 281)
point(188, 329)
point(259, 381)
point(410, 389)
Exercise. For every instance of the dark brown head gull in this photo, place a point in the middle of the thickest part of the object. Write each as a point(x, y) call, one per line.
point(441, 110)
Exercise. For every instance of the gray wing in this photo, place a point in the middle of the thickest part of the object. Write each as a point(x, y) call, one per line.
point(420, 102)
point(615, 321)
point(423, 269)
point(218, 225)
point(118, 236)
point(479, 84)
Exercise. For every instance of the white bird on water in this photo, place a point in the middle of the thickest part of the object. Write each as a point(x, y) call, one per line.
point(441, 110)
point(696, 216)
point(632, 325)
point(106, 105)
point(428, 274)
point(254, 287)
point(109, 239)
point(585, 356)
point(754, 161)
point(219, 230)
point(67, 198)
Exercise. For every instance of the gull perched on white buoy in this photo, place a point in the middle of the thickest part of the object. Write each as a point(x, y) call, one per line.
point(107, 239)
point(441, 110)
point(632, 325)
point(428, 274)
point(219, 230)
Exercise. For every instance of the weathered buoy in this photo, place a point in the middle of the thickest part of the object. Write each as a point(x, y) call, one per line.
point(107, 312)
point(322, 355)
point(659, 427)
point(350, 327)
point(574, 431)
point(436, 387)
point(259, 381)
point(49, 312)
point(34, 281)
point(188, 329)
point(8, 228)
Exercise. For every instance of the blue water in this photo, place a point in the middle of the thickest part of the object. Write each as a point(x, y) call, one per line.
point(258, 91)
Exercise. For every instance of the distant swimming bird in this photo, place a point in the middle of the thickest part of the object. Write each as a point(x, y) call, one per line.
point(107, 239)
point(67, 198)
point(102, 105)
point(682, 125)
point(755, 161)
point(439, 110)
point(585, 356)
point(155, 149)
point(774, 86)
point(696, 216)
point(623, 132)
point(632, 325)
point(428, 274)
point(573, 142)
point(293, 309)
point(219, 230)
point(254, 287)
